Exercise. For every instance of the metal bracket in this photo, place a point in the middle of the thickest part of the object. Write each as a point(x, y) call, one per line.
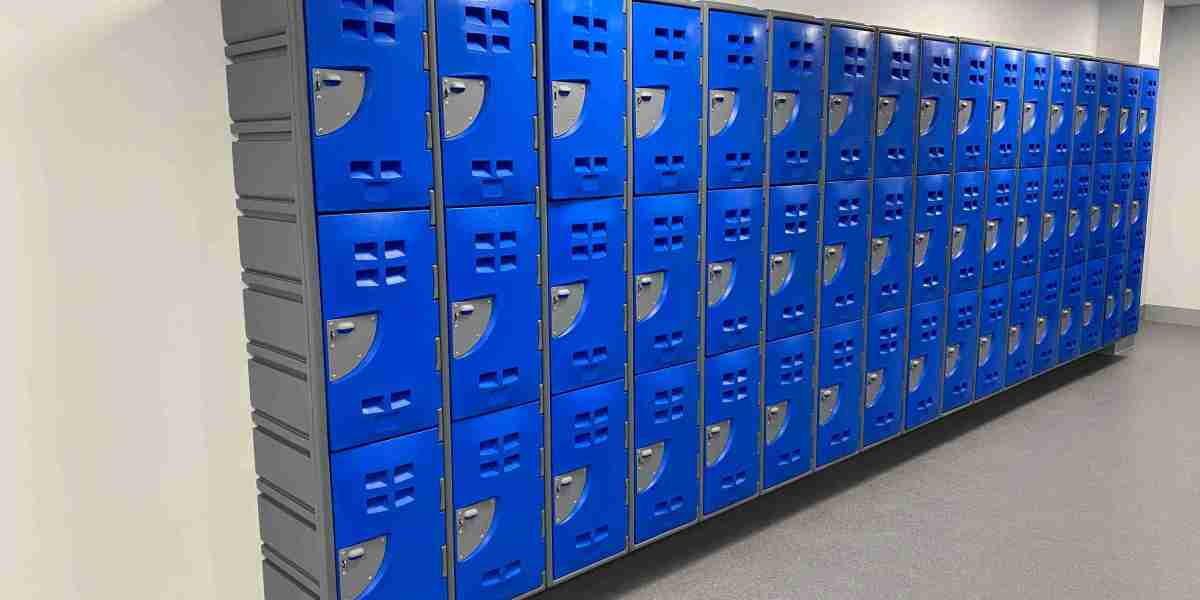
point(349, 340)
point(1022, 230)
point(472, 525)
point(881, 249)
point(1073, 222)
point(337, 96)
point(462, 99)
point(920, 248)
point(927, 113)
point(721, 108)
point(649, 463)
point(783, 111)
point(958, 240)
point(1057, 117)
point(991, 235)
point(780, 271)
point(885, 113)
point(650, 105)
point(985, 350)
point(827, 404)
point(568, 491)
point(1080, 119)
point(720, 279)
point(470, 319)
point(358, 566)
point(874, 387)
point(1102, 120)
point(999, 115)
point(916, 372)
point(832, 261)
point(716, 440)
point(839, 109)
point(1014, 339)
point(566, 302)
point(1028, 117)
point(777, 415)
point(966, 108)
point(568, 98)
point(953, 352)
point(650, 288)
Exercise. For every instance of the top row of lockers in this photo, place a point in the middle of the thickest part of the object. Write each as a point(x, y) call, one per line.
point(861, 101)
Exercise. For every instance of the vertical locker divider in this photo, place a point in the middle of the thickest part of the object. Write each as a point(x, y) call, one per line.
point(822, 179)
point(952, 152)
point(543, 215)
point(912, 232)
point(630, 308)
point(768, 79)
point(987, 187)
point(702, 258)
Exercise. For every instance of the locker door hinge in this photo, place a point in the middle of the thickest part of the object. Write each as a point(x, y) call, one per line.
point(624, 60)
point(625, 257)
point(441, 425)
point(539, 269)
point(625, 130)
point(435, 283)
point(437, 354)
point(542, 462)
point(442, 493)
point(425, 50)
point(433, 222)
point(428, 130)
point(539, 336)
point(625, 321)
point(541, 401)
point(543, 520)
point(535, 132)
point(445, 561)
point(537, 206)
point(534, 55)
point(626, 491)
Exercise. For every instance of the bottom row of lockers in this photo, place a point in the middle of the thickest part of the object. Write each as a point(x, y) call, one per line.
point(389, 497)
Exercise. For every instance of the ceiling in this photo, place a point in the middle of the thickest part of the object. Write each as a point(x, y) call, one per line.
point(1182, 2)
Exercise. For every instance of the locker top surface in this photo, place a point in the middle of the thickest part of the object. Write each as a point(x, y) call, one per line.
point(939, 38)
point(898, 31)
point(734, 8)
point(683, 3)
point(850, 25)
point(793, 16)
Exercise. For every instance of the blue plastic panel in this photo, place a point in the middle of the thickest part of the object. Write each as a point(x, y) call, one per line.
point(1118, 224)
point(844, 281)
point(666, 411)
point(392, 489)
point(1054, 218)
point(585, 44)
point(494, 160)
point(1001, 214)
point(588, 432)
point(1029, 208)
point(790, 377)
point(1139, 215)
point(381, 264)
point(886, 373)
point(1062, 103)
point(354, 167)
point(839, 387)
point(792, 237)
point(1035, 97)
point(494, 259)
point(497, 457)
point(1149, 107)
point(1071, 313)
point(667, 42)
point(1022, 317)
point(1077, 214)
point(1087, 101)
point(895, 145)
point(891, 222)
point(968, 225)
point(935, 142)
point(926, 344)
point(734, 241)
point(962, 336)
point(1103, 189)
point(737, 44)
point(587, 240)
point(1113, 315)
point(1050, 284)
point(993, 325)
point(731, 400)
point(1109, 102)
point(1131, 92)
point(931, 222)
point(1094, 293)
point(1131, 302)
point(1007, 76)
point(851, 65)
point(666, 238)
point(974, 85)
point(798, 64)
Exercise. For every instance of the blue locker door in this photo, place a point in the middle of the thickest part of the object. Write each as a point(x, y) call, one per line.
point(891, 221)
point(1070, 321)
point(1139, 208)
point(1108, 111)
point(967, 231)
point(936, 111)
point(962, 341)
point(1026, 234)
point(498, 500)
point(1113, 299)
point(974, 83)
point(926, 343)
point(843, 259)
point(1118, 215)
point(788, 438)
point(667, 42)
point(372, 60)
point(494, 308)
point(590, 467)
point(1131, 298)
point(737, 103)
point(839, 392)
point(1087, 102)
point(1006, 111)
point(896, 106)
point(883, 393)
point(1035, 114)
point(1046, 329)
point(377, 299)
point(1022, 315)
point(1077, 214)
point(734, 272)
point(1147, 115)
point(387, 504)
point(1092, 316)
point(587, 293)
point(1054, 218)
point(851, 61)
point(585, 98)
point(993, 333)
point(798, 58)
point(792, 264)
point(931, 238)
point(1103, 189)
point(667, 280)
point(998, 229)
point(1127, 120)
point(489, 102)
point(1062, 109)
point(731, 420)
point(667, 453)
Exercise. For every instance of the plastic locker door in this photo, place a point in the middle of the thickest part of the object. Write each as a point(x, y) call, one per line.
point(368, 77)
point(667, 42)
point(1077, 214)
point(967, 231)
point(1131, 296)
point(1103, 190)
point(589, 465)
point(993, 333)
point(926, 344)
point(1118, 212)
point(1006, 115)
point(883, 386)
point(931, 238)
point(788, 434)
point(1022, 315)
point(666, 271)
point(489, 101)
point(587, 293)
point(891, 222)
point(494, 308)
point(1113, 321)
point(737, 103)
point(936, 110)
point(1087, 103)
point(962, 339)
point(734, 272)
point(1070, 314)
point(839, 392)
point(844, 255)
point(1127, 120)
point(499, 545)
point(1054, 218)
point(1034, 112)
point(798, 64)
point(731, 421)
point(667, 450)
point(998, 228)
point(1061, 115)
point(1026, 234)
point(1046, 330)
point(389, 520)
point(377, 301)
point(1108, 111)
point(792, 260)
point(1139, 208)
point(972, 110)
point(1147, 115)
point(896, 105)
point(585, 98)
point(847, 143)
point(1092, 316)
